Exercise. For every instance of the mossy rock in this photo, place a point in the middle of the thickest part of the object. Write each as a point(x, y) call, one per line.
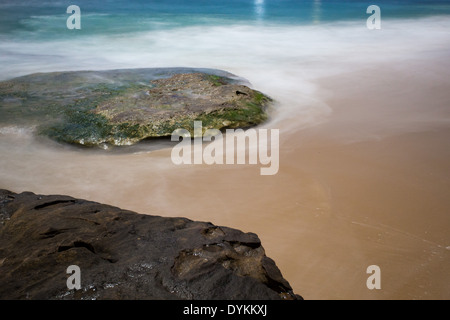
point(123, 107)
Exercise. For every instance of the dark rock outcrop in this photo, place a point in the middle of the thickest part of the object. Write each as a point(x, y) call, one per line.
point(125, 255)
point(123, 107)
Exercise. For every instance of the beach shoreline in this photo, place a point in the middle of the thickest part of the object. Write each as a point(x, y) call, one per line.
point(364, 160)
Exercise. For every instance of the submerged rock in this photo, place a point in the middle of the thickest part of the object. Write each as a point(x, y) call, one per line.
point(125, 255)
point(122, 107)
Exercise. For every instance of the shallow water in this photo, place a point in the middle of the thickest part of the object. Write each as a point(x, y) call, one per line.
point(364, 146)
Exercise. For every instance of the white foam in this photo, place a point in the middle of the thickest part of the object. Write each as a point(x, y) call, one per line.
point(17, 131)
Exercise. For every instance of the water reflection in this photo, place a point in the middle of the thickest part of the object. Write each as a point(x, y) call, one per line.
point(317, 11)
point(259, 9)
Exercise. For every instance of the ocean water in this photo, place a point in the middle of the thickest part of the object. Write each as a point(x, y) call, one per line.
point(42, 18)
point(136, 33)
point(369, 194)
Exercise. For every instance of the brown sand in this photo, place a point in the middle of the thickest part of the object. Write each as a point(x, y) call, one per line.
point(370, 185)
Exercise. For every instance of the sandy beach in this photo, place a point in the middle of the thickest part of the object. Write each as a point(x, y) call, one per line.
point(368, 185)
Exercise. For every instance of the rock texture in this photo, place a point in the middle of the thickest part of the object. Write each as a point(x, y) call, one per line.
point(125, 255)
point(123, 107)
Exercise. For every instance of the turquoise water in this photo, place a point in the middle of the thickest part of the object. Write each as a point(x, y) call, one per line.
point(46, 19)
point(242, 36)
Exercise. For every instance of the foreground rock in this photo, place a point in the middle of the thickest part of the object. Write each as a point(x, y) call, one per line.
point(125, 255)
point(122, 107)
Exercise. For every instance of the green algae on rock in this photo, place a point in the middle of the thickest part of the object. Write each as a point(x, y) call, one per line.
point(123, 107)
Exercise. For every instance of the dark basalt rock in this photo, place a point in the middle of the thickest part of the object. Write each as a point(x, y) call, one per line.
point(125, 255)
point(123, 107)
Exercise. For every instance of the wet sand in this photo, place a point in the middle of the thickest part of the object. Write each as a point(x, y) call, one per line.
point(366, 185)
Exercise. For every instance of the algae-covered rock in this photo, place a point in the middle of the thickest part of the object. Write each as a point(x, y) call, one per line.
point(122, 107)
